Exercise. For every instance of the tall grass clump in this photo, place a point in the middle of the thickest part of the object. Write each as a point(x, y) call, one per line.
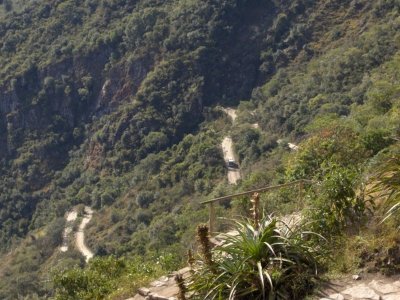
point(387, 186)
point(267, 260)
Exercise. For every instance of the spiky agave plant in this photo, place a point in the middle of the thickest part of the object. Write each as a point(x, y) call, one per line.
point(272, 261)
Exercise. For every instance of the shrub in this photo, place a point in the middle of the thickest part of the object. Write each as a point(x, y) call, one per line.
point(337, 208)
point(387, 185)
point(143, 216)
point(155, 141)
point(84, 94)
point(338, 144)
point(102, 277)
point(144, 199)
point(376, 140)
point(106, 199)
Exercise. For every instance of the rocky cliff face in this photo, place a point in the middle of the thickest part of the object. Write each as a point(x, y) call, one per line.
point(69, 92)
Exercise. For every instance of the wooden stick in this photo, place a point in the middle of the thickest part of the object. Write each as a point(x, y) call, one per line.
point(212, 218)
point(260, 190)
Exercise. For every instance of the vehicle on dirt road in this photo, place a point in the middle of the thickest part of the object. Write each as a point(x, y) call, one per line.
point(232, 164)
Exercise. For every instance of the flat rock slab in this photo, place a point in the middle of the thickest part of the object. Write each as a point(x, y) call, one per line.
point(376, 289)
point(361, 291)
point(391, 297)
point(165, 288)
point(163, 281)
point(384, 288)
point(334, 297)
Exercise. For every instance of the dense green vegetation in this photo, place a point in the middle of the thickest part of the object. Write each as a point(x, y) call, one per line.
point(113, 104)
point(109, 277)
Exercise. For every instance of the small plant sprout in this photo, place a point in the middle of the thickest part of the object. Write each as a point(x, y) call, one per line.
point(181, 285)
point(190, 259)
point(255, 209)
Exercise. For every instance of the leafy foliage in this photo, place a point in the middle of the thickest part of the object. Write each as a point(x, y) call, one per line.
point(337, 144)
point(387, 184)
point(335, 207)
point(102, 277)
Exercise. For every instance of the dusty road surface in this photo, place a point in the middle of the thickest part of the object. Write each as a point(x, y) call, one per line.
point(230, 112)
point(70, 218)
point(80, 235)
point(293, 147)
point(227, 149)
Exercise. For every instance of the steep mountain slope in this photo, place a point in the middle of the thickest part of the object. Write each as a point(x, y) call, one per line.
point(61, 83)
point(111, 104)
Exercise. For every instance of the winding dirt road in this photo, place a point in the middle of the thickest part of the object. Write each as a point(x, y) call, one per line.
point(230, 112)
point(70, 219)
point(80, 235)
point(227, 149)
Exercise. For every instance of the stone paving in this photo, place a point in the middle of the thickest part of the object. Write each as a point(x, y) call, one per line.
point(165, 288)
point(375, 289)
point(382, 288)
